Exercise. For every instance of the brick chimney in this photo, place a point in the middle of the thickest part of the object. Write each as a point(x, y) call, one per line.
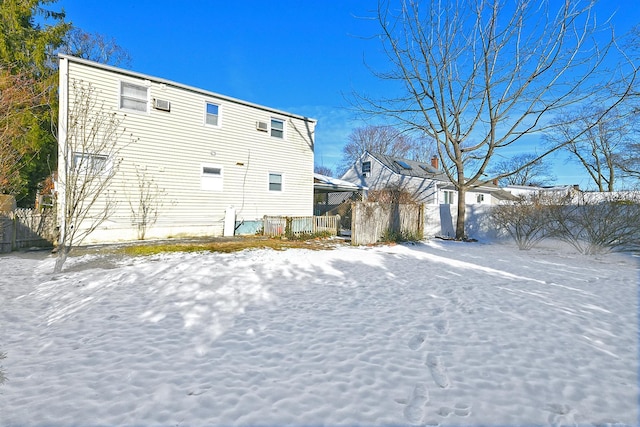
point(434, 162)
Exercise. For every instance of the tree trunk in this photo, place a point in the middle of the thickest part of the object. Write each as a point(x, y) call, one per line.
point(63, 252)
point(462, 210)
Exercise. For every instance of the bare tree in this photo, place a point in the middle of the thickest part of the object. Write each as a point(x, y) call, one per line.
point(529, 170)
point(146, 202)
point(323, 170)
point(383, 140)
point(95, 47)
point(478, 76)
point(604, 149)
point(89, 145)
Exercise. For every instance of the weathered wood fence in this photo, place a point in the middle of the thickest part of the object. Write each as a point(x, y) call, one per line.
point(25, 228)
point(300, 225)
point(372, 222)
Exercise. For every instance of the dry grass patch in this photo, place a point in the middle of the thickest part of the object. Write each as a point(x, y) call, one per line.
point(226, 245)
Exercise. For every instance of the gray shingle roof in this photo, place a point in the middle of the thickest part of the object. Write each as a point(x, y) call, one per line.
point(410, 167)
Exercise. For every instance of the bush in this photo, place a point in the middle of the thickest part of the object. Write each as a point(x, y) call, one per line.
point(526, 220)
point(390, 235)
point(593, 225)
point(591, 222)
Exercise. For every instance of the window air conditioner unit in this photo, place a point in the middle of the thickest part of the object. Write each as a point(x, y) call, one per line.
point(262, 126)
point(161, 104)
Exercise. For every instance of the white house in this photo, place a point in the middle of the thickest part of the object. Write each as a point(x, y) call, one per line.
point(424, 181)
point(207, 156)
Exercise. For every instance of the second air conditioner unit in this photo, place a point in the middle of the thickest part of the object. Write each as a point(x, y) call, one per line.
point(161, 104)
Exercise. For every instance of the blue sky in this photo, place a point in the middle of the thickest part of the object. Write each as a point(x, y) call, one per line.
point(300, 56)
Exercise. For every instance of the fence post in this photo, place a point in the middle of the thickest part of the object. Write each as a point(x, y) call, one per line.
point(14, 231)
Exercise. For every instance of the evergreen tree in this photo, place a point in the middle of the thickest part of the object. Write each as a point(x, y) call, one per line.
point(29, 36)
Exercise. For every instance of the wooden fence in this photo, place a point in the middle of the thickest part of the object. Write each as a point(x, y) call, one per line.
point(300, 225)
point(25, 228)
point(372, 222)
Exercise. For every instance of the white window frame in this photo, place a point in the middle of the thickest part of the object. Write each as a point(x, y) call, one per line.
point(219, 115)
point(210, 181)
point(85, 163)
point(283, 130)
point(281, 190)
point(146, 101)
point(480, 198)
point(448, 197)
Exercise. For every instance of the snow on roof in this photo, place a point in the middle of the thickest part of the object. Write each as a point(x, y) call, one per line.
point(328, 183)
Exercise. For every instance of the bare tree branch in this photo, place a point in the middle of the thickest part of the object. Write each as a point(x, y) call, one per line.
point(89, 161)
point(477, 76)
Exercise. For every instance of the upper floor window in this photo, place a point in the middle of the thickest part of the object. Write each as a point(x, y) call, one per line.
point(134, 97)
point(277, 128)
point(275, 182)
point(212, 114)
point(366, 167)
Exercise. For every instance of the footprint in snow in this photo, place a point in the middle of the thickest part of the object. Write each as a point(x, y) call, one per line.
point(460, 409)
point(414, 411)
point(438, 371)
point(442, 326)
point(561, 415)
point(417, 340)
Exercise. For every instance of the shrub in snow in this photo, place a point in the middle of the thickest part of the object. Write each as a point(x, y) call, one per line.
point(591, 222)
point(599, 222)
point(526, 220)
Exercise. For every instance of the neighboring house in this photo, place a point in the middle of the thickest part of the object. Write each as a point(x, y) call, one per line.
point(208, 156)
point(528, 190)
point(424, 181)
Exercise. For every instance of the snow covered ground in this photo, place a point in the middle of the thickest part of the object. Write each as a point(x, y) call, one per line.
point(440, 333)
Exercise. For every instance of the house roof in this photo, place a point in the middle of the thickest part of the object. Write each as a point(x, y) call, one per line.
point(412, 168)
point(425, 170)
point(179, 85)
point(327, 184)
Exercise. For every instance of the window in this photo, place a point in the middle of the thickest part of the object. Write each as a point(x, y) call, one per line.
point(212, 114)
point(90, 163)
point(448, 197)
point(275, 182)
point(277, 128)
point(366, 167)
point(134, 97)
point(480, 198)
point(211, 178)
point(403, 164)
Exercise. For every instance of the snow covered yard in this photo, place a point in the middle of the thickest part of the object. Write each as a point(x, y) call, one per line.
point(441, 333)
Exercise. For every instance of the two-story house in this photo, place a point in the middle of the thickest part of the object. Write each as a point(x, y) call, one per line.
point(208, 163)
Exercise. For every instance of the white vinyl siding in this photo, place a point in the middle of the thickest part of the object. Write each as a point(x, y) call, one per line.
point(134, 97)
